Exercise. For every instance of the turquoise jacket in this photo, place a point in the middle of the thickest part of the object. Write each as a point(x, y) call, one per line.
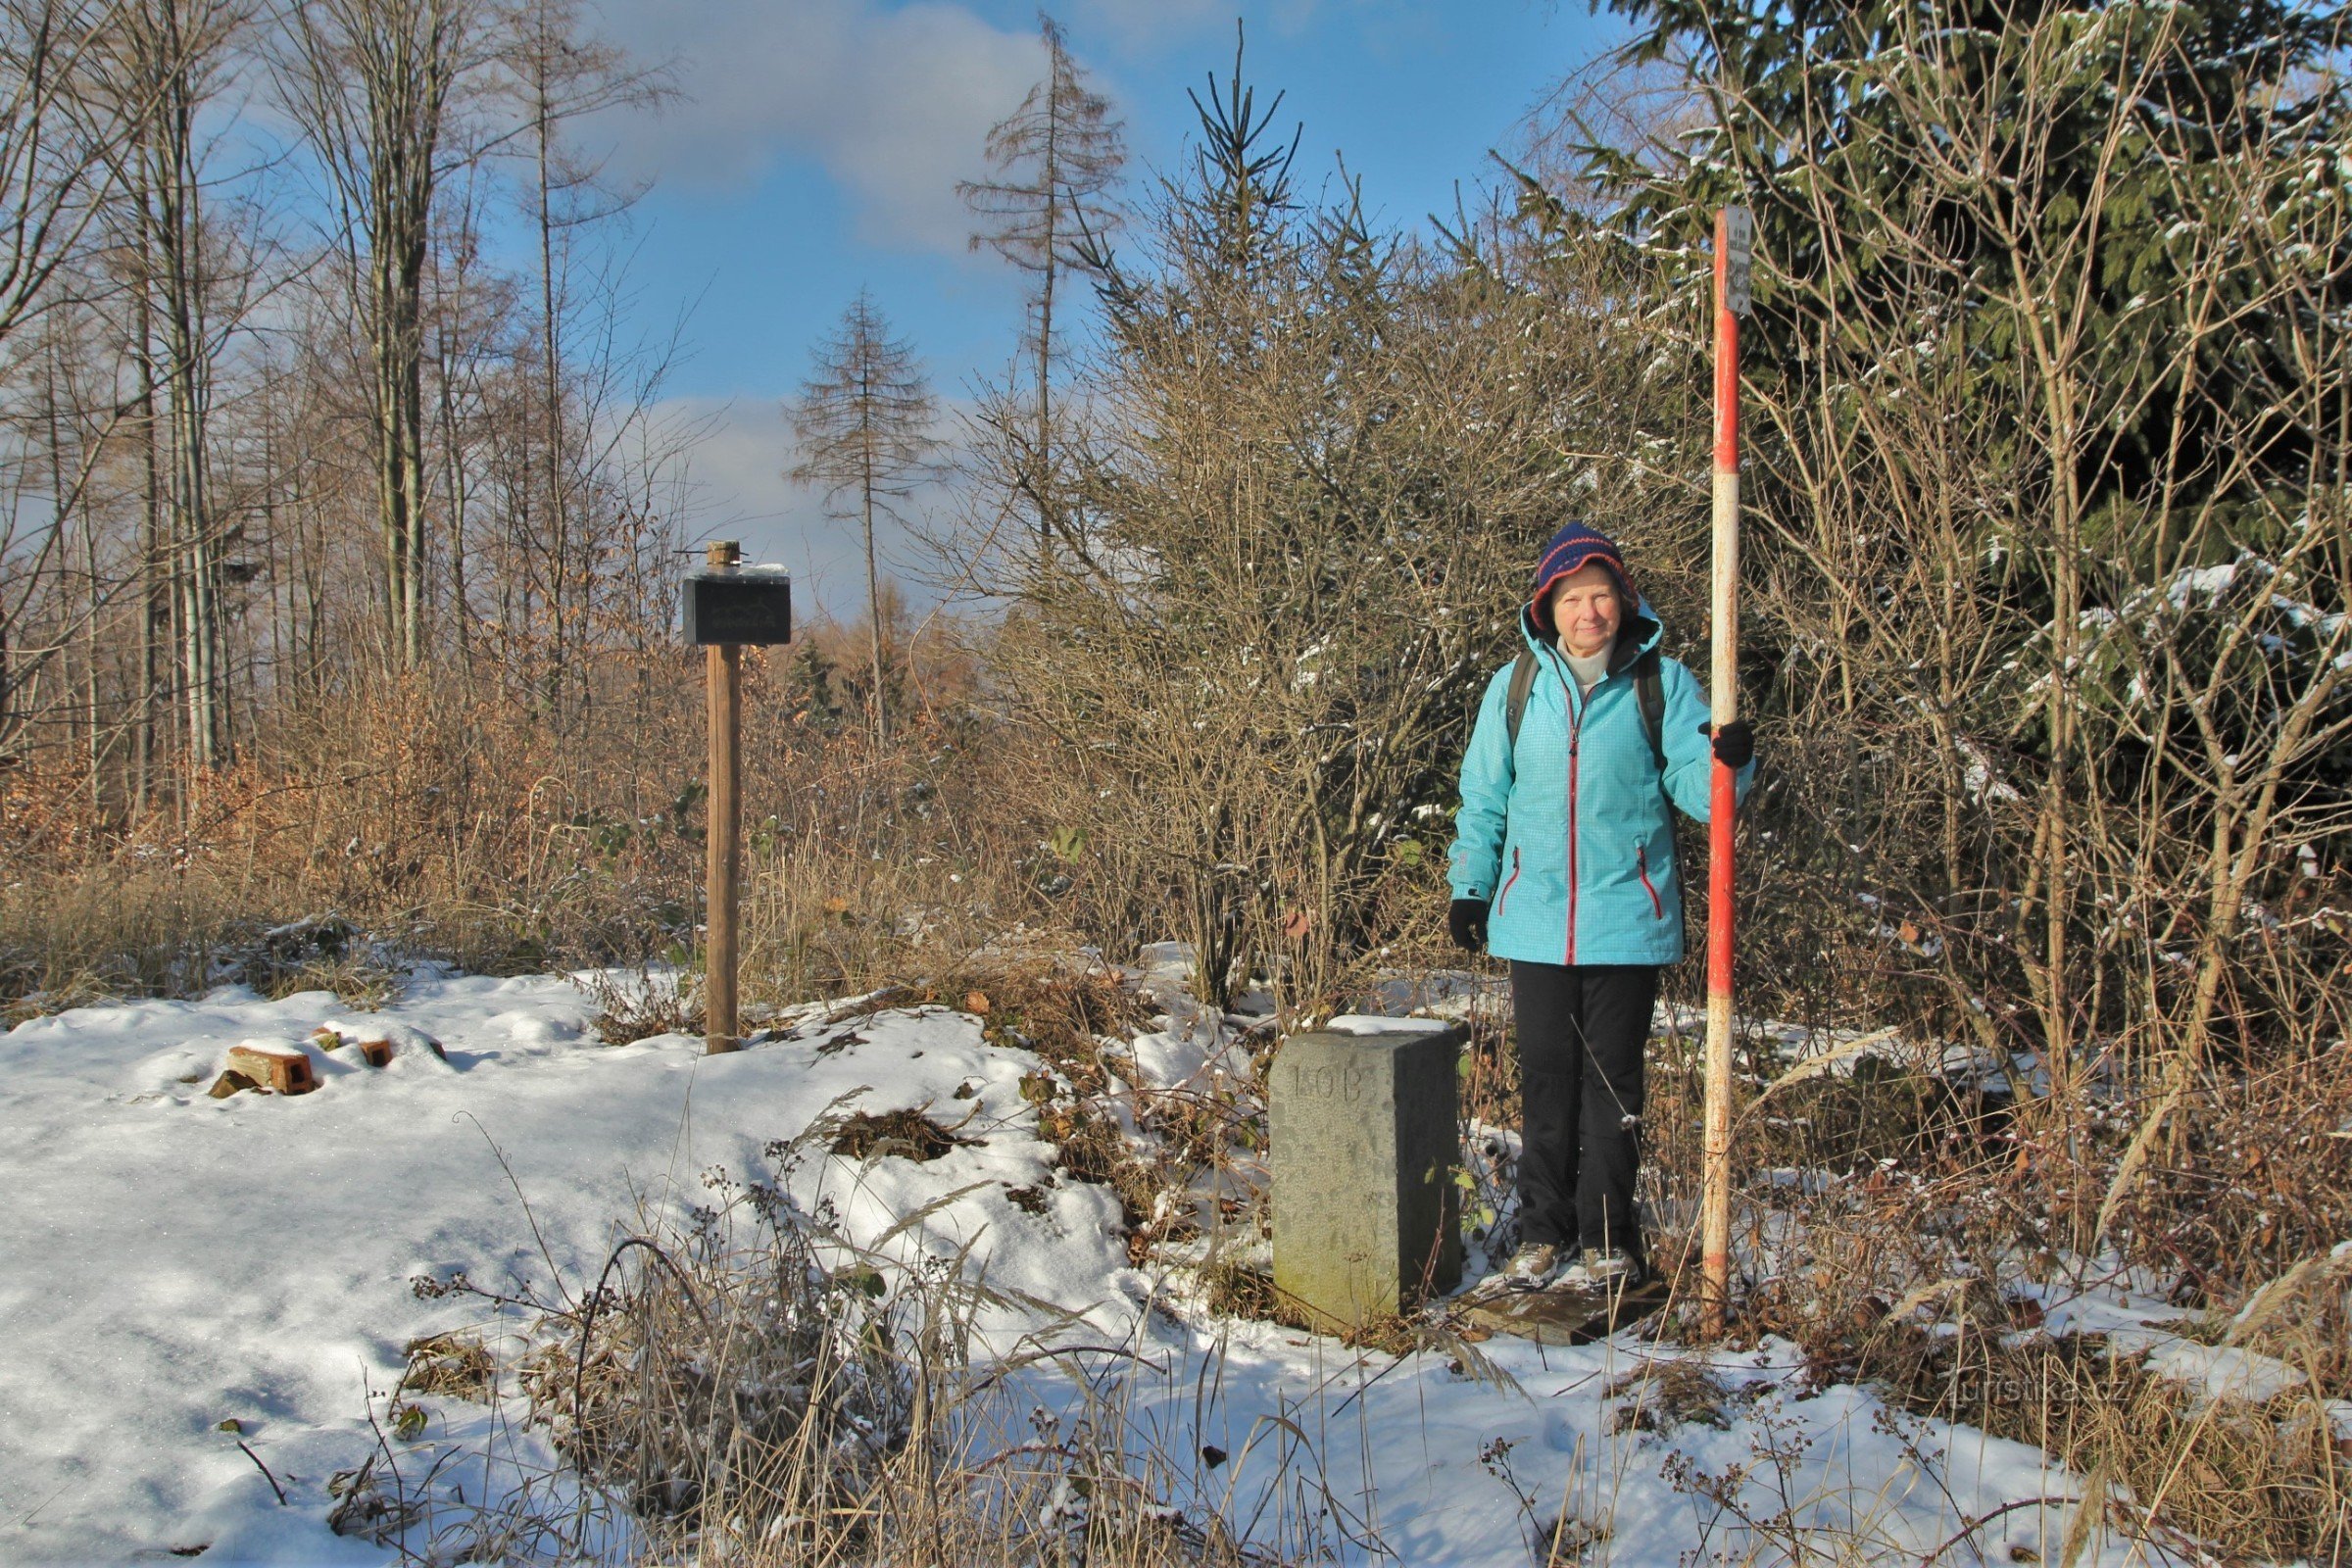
point(1570, 839)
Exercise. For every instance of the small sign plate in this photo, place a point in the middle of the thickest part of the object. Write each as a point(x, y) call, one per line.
point(746, 606)
point(1739, 246)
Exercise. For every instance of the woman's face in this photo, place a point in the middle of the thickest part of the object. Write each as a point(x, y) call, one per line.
point(1586, 610)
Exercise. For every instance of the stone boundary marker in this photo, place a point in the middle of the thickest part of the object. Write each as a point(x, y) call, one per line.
point(1364, 1144)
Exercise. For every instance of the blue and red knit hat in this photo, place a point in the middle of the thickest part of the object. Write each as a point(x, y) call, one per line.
point(1572, 549)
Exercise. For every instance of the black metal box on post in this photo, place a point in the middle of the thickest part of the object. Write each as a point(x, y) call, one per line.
point(729, 604)
point(746, 606)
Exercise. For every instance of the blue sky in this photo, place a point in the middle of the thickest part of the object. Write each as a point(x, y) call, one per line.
point(817, 143)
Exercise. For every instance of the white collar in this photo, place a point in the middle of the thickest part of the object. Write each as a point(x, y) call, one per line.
point(1590, 670)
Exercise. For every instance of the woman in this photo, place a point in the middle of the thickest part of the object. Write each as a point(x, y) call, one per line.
point(1563, 863)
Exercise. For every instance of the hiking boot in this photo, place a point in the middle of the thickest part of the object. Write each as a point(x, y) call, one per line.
point(1611, 1268)
point(1532, 1267)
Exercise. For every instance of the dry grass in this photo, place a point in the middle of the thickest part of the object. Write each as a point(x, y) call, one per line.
point(907, 1134)
point(1659, 1395)
point(754, 1389)
point(633, 1007)
point(2254, 1482)
point(1233, 1288)
point(1902, 1229)
point(443, 821)
point(1904, 1235)
point(67, 939)
point(455, 1366)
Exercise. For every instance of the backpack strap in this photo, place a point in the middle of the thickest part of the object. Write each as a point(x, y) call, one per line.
point(1649, 689)
point(1650, 694)
point(1523, 681)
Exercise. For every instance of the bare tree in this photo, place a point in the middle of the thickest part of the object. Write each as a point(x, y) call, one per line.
point(1057, 157)
point(373, 85)
point(171, 53)
point(60, 144)
point(863, 419)
point(62, 152)
point(560, 73)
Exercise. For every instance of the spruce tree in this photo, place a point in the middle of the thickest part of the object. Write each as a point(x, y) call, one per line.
point(808, 695)
point(1968, 140)
point(863, 421)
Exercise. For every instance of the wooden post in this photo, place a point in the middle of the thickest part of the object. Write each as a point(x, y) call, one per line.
point(724, 671)
point(1732, 238)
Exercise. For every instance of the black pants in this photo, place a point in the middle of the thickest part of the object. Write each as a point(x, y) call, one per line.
point(1581, 1032)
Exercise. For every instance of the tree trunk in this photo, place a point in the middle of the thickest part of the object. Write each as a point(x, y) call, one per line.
point(551, 376)
point(1045, 331)
point(873, 581)
point(177, 226)
point(154, 564)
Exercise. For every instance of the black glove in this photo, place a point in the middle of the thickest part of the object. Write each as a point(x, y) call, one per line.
point(1735, 743)
point(1466, 919)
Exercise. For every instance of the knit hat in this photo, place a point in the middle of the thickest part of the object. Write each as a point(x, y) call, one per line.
point(1572, 549)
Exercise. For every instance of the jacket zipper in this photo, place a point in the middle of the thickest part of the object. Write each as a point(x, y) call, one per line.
point(1576, 726)
point(1658, 905)
point(1508, 880)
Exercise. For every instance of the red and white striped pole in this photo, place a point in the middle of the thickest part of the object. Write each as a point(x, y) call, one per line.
point(1735, 233)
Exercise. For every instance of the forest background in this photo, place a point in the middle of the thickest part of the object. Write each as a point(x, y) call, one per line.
point(341, 570)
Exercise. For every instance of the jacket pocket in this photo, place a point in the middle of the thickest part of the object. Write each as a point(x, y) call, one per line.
point(1504, 890)
point(1658, 905)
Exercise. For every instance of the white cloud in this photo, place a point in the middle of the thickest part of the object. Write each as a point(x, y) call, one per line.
point(740, 492)
point(894, 102)
point(1149, 27)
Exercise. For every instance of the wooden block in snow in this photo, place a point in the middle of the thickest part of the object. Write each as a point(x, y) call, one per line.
point(369, 1035)
point(230, 1083)
point(375, 1053)
point(288, 1072)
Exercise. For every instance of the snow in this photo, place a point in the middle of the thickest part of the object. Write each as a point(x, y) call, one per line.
point(1181, 1053)
point(2127, 1320)
point(177, 1260)
point(174, 1262)
point(2224, 1371)
point(1362, 1023)
point(2212, 1371)
point(1981, 780)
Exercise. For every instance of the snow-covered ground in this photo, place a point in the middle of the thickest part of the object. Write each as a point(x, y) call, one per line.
point(170, 1261)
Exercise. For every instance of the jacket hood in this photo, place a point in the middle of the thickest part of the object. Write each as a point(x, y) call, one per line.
point(1637, 634)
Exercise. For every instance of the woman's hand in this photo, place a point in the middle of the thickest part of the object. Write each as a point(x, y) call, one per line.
point(1466, 919)
point(1735, 743)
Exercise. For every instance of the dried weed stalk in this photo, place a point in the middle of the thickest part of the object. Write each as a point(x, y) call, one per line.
point(753, 1388)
